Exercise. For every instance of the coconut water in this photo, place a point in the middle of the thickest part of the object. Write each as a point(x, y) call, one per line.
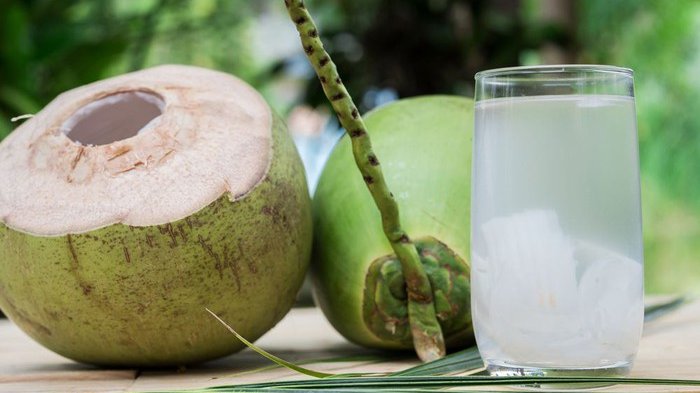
point(557, 258)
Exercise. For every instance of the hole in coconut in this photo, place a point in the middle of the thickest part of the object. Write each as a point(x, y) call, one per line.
point(113, 118)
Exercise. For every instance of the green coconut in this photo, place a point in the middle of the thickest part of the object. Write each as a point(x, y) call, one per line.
point(424, 274)
point(130, 205)
point(425, 147)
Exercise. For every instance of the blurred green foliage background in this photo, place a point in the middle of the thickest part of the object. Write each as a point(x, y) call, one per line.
point(402, 48)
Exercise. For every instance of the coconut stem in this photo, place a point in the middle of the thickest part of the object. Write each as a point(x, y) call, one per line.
point(425, 329)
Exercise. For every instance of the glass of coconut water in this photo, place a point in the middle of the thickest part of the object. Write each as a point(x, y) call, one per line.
point(557, 286)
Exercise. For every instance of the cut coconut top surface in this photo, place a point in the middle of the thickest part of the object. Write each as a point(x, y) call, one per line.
point(142, 149)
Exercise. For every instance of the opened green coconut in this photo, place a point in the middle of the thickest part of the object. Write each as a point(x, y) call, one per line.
point(130, 205)
point(425, 146)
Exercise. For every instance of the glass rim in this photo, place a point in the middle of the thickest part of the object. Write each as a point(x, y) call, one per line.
point(553, 69)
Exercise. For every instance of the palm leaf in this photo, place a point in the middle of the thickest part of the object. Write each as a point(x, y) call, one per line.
point(467, 360)
point(397, 383)
point(271, 357)
point(368, 359)
point(428, 376)
point(655, 311)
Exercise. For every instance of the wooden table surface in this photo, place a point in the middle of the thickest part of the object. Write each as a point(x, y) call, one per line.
point(670, 348)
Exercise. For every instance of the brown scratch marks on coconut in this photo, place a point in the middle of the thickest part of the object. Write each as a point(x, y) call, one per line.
point(239, 195)
point(78, 173)
point(127, 257)
point(75, 264)
point(76, 159)
point(125, 170)
point(276, 214)
point(209, 250)
point(232, 263)
point(215, 207)
point(166, 155)
point(120, 152)
point(270, 211)
point(149, 240)
point(192, 222)
point(87, 288)
point(252, 267)
point(181, 231)
point(28, 322)
point(167, 229)
point(132, 167)
point(54, 315)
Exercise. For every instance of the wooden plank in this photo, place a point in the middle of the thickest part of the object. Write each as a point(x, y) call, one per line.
point(670, 349)
point(303, 335)
point(26, 366)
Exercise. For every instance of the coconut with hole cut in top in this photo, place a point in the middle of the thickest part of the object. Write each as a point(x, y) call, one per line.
point(130, 205)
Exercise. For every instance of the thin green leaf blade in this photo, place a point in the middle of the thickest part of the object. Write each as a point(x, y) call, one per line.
point(426, 382)
point(335, 359)
point(427, 376)
point(269, 356)
point(655, 311)
point(467, 360)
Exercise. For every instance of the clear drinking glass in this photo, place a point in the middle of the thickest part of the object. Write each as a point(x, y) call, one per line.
point(557, 259)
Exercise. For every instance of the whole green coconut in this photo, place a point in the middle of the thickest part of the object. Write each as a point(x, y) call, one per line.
point(130, 205)
point(425, 149)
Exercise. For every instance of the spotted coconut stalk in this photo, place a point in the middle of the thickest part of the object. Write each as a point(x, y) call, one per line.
point(426, 331)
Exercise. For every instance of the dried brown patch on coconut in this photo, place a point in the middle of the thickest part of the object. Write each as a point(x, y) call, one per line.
point(143, 149)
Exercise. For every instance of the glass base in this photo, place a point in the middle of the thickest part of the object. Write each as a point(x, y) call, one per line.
point(620, 369)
